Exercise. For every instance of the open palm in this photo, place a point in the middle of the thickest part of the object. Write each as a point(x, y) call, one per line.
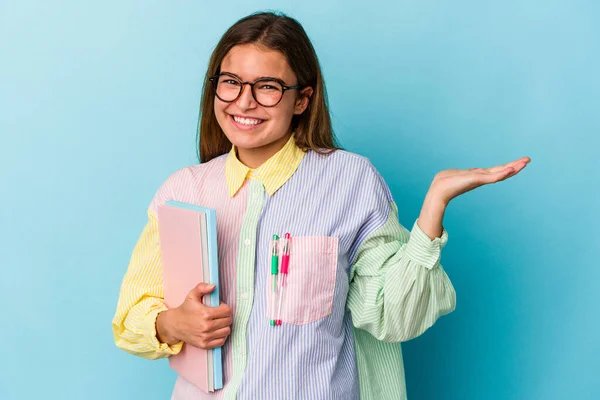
point(451, 183)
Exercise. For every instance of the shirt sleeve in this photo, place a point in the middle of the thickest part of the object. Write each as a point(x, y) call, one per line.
point(398, 288)
point(141, 299)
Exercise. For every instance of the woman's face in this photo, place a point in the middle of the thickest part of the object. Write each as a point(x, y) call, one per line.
point(249, 126)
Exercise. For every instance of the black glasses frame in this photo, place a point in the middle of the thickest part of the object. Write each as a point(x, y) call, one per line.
point(215, 81)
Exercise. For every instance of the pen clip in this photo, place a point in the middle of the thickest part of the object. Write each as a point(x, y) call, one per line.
point(285, 257)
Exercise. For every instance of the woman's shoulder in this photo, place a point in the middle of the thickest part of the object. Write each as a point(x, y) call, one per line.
point(352, 171)
point(198, 171)
point(352, 164)
point(183, 182)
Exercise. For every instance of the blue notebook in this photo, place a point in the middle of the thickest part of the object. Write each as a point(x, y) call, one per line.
point(213, 262)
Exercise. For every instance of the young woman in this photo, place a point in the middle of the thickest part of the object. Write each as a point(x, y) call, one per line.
point(358, 281)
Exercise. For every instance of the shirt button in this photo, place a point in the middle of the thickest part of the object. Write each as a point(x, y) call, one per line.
point(247, 242)
point(245, 296)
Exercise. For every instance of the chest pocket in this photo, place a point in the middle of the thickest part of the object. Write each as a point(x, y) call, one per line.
point(307, 295)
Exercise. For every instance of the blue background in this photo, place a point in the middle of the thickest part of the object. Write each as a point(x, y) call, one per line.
point(99, 105)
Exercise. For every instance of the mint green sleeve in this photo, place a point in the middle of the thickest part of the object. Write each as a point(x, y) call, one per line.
point(398, 288)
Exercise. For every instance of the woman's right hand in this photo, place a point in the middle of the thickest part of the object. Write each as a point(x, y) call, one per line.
point(194, 323)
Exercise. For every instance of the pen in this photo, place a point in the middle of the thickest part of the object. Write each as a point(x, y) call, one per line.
point(274, 270)
point(285, 263)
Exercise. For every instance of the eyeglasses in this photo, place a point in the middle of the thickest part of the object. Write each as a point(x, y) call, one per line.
point(267, 92)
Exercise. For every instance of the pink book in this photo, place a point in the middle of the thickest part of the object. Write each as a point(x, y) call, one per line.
point(182, 233)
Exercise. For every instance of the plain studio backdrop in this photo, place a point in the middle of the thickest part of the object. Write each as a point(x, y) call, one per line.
point(99, 104)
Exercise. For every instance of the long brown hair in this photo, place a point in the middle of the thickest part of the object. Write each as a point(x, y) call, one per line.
point(274, 31)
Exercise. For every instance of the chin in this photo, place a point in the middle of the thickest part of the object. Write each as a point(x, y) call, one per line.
point(246, 140)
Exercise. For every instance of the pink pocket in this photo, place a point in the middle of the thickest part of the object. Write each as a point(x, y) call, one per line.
point(310, 283)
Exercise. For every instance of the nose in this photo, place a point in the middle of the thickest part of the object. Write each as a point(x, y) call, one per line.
point(246, 100)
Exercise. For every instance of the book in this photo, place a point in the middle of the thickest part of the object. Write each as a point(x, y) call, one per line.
point(189, 251)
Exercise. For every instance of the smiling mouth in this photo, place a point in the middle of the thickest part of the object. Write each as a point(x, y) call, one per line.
point(247, 121)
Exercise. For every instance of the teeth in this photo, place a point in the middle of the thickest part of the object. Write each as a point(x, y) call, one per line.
point(247, 121)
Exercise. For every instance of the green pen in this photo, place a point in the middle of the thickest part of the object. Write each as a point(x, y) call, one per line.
point(274, 272)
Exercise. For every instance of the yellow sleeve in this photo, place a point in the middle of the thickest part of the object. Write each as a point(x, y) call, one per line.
point(141, 299)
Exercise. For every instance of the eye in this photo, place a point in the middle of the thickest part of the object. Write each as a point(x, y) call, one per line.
point(269, 86)
point(231, 82)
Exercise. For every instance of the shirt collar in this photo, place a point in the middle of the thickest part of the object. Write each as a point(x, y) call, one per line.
point(276, 171)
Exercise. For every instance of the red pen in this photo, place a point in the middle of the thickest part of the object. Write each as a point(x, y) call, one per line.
point(283, 271)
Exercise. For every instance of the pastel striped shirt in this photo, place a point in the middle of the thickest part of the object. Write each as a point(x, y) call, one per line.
point(358, 281)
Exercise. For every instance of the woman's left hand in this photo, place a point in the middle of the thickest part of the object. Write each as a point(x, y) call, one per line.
point(452, 183)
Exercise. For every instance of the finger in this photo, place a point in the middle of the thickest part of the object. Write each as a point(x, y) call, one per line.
point(200, 290)
point(216, 343)
point(499, 168)
point(523, 160)
point(221, 311)
point(493, 170)
point(474, 170)
point(488, 171)
point(221, 323)
point(516, 167)
point(207, 344)
point(219, 333)
point(493, 177)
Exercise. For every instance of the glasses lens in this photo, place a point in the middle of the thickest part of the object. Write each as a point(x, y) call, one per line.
point(228, 88)
point(268, 93)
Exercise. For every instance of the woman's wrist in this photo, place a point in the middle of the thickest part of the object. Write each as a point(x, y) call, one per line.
point(165, 327)
point(432, 215)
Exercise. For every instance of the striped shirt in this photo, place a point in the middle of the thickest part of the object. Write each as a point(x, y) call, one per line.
point(358, 281)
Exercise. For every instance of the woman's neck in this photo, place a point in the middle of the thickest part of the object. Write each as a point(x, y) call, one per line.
point(255, 157)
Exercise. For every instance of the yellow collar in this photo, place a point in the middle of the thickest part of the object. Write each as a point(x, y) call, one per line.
point(273, 173)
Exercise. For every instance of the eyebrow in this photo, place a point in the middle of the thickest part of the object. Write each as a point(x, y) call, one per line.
point(260, 77)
